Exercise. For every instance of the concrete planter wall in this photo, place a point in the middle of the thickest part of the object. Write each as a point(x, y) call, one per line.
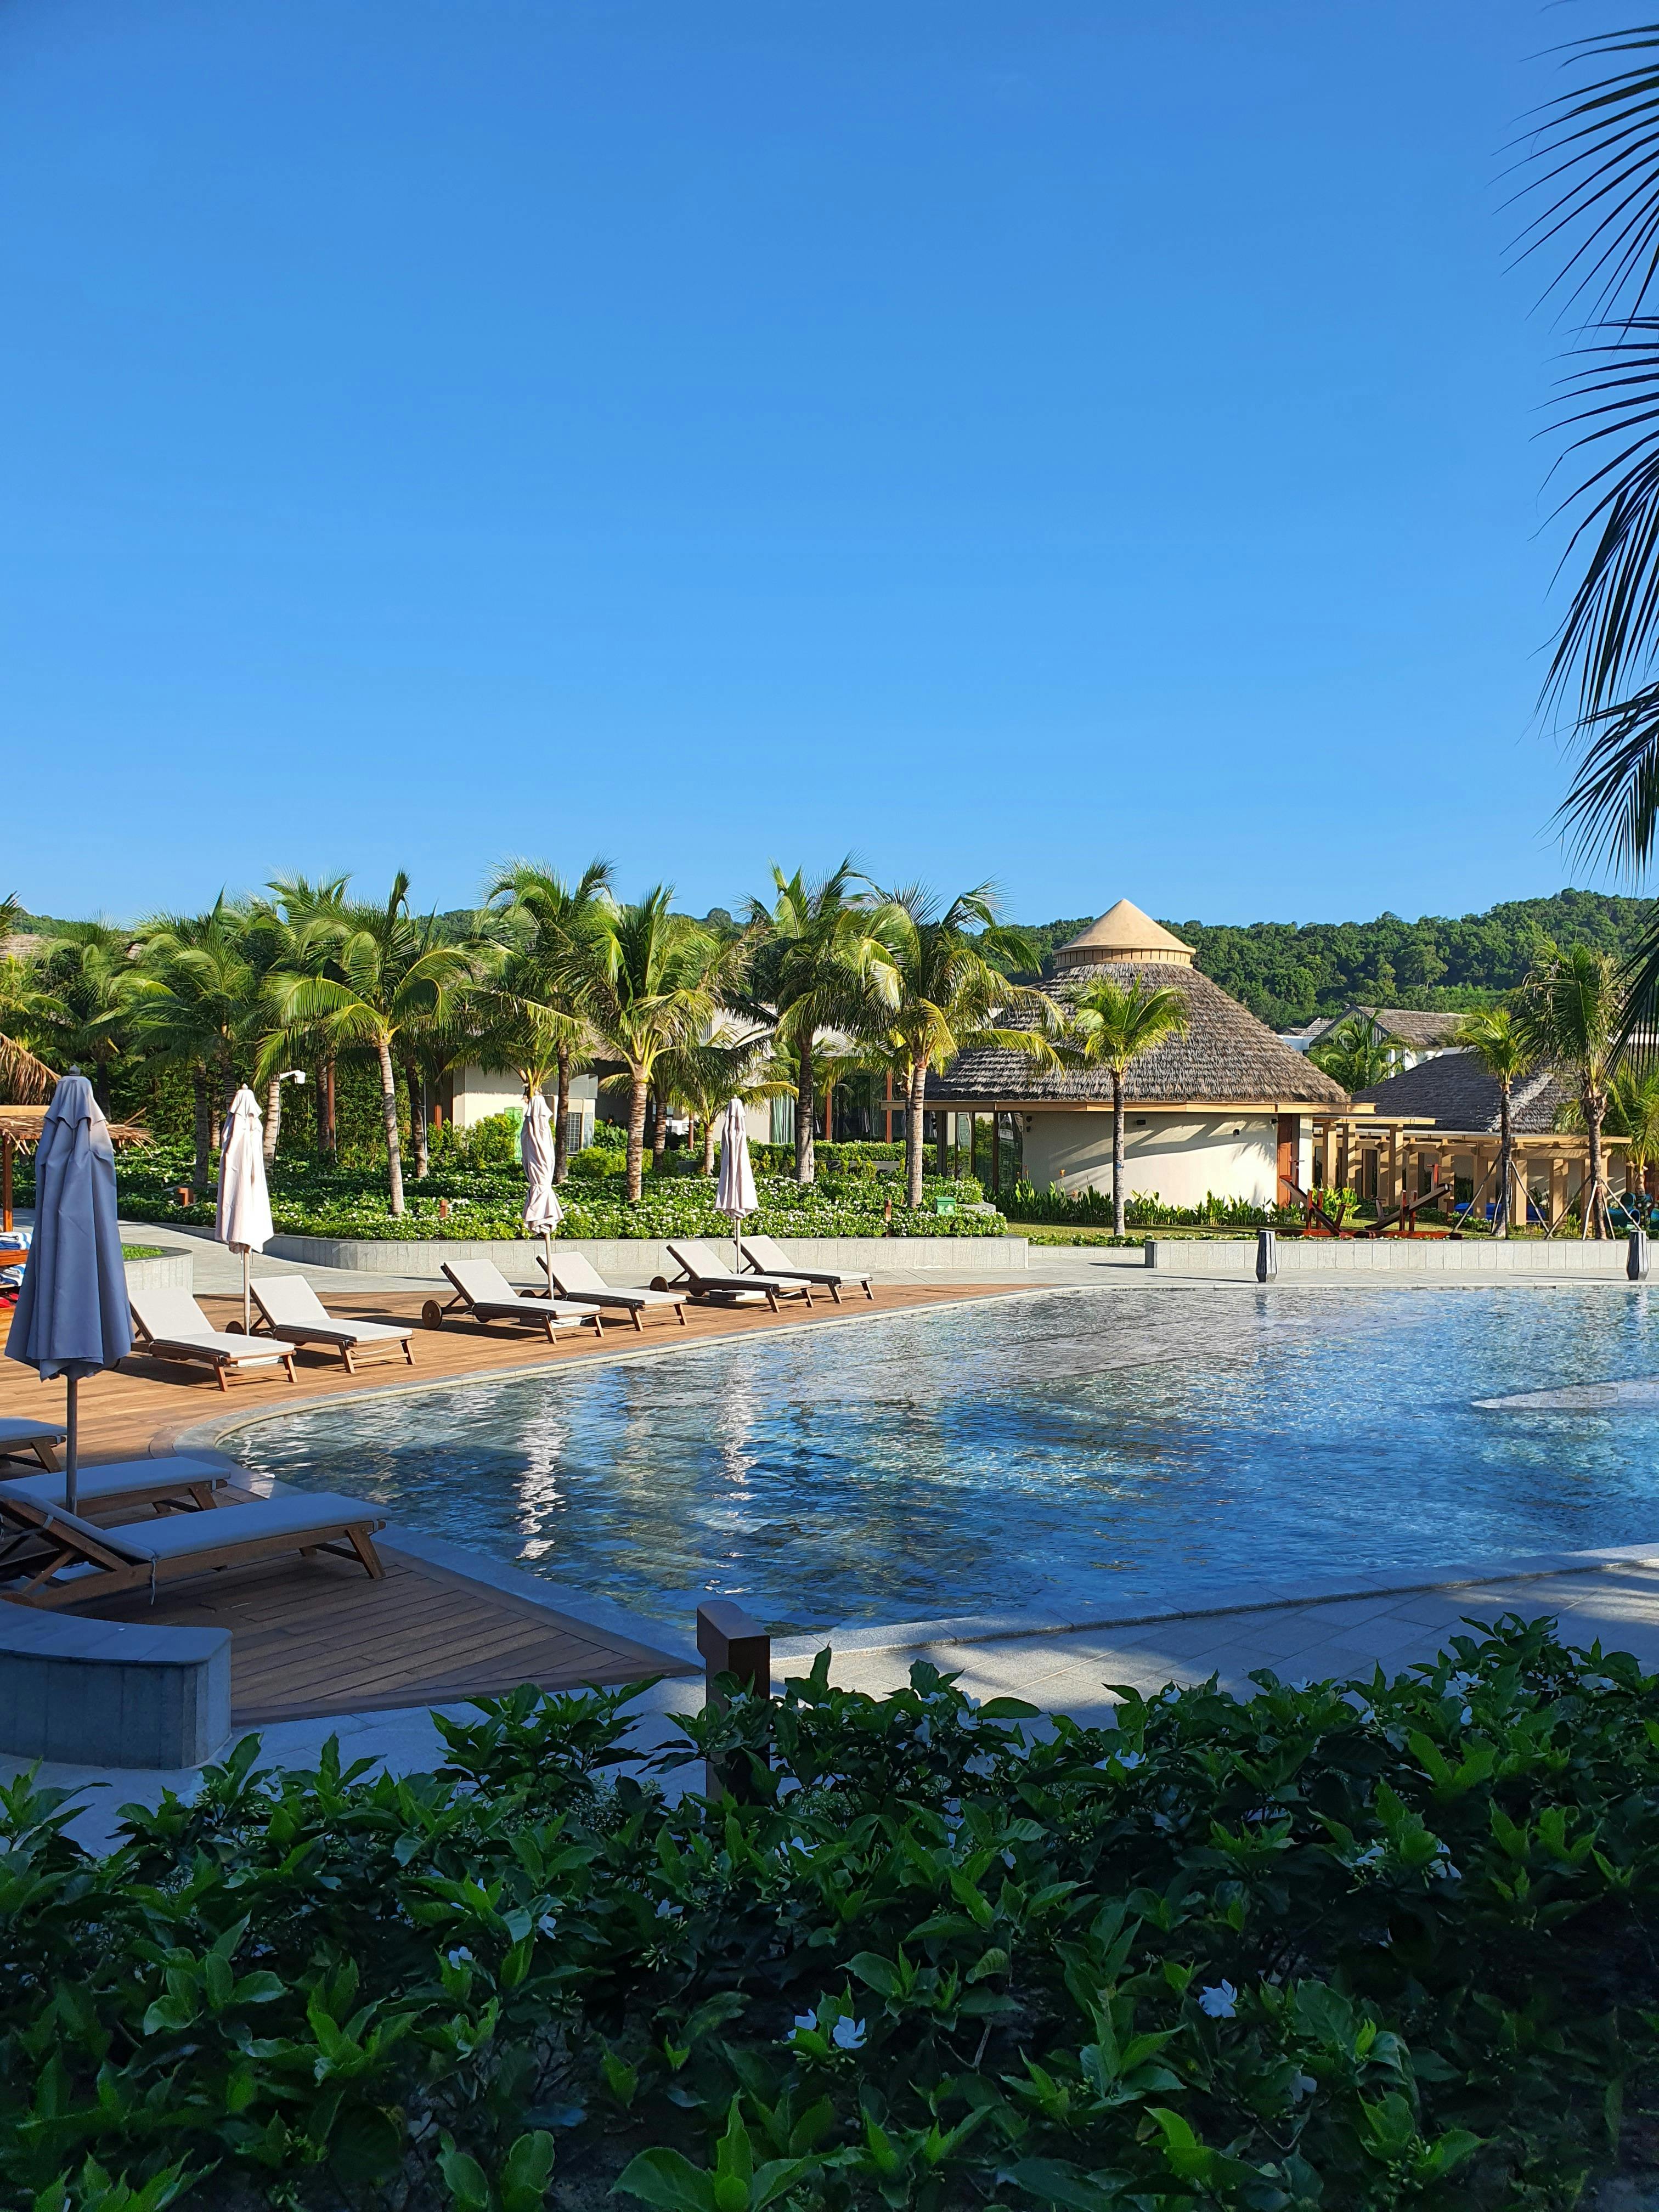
point(629, 1260)
point(111, 1693)
point(174, 1271)
point(1393, 1256)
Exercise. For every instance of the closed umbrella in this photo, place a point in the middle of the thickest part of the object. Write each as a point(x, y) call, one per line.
point(541, 1209)
point(734, 1194)
point(243, 1220)
point(72, 1317)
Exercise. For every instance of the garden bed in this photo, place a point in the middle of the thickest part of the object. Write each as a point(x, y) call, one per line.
point(1351, 1946)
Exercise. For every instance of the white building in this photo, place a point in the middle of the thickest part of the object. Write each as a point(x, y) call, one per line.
point(1222, 1108)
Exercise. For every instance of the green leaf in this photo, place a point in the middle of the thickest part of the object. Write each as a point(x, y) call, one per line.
point(666, 2178)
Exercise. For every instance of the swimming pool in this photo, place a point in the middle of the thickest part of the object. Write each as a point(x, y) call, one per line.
point(1081, 1449)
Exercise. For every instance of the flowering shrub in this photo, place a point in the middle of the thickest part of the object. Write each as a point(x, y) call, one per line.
point(1143, 1210)
point(310, 1200)
point(1356, 1947)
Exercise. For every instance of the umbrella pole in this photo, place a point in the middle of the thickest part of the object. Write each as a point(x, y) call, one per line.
point(547, 1254)
point(72, 1449)
point(247, 1296)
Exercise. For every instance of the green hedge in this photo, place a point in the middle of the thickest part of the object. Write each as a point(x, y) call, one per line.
point(1336, 1949)
point(311, 1200)
point(1092, 1208)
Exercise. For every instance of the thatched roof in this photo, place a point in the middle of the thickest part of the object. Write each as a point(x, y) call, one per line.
point(1225, 1056)
point(1123, 933)
point(23, 1124)
point(1406, 1025)
point(1456, 1092)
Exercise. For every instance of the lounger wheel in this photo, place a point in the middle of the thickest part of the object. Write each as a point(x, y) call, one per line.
point(234, 1328)
point(431, 1314)
point(659, 1282)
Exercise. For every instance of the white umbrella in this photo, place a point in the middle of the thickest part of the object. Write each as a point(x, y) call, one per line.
point(541, 1209)
point(72, 1317)
point(734, 1194)
point(243, 1220)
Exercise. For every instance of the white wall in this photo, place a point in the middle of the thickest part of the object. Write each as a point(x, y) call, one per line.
point(482, 1091)
point(1179, 1156)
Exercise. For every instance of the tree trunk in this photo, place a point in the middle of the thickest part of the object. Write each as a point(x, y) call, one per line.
point(1595, 1205)
point(394, 1151)
point(916, 1091)
point(417, 1136)
point(708, 1145)
point(198, 1173)
point(561, 1116)
point(1505, 1162)
point(328, 1133)
point(1117, 1153)
point(658, 1134)
point(273, 1119)
point(636, 1099)
point(828, 1110)
point(806, 1166)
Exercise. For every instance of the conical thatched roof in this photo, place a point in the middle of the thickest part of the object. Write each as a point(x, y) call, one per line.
point(1224, 1055)
point(1123, 933)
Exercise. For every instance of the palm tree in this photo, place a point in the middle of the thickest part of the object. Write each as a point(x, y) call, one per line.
point(1596, 158)
point(817, 953)
point(545, 968)
point(1492, 1037)
point(24, 1078)
point(195, 1001)
point(941, 995)
point(306, 920)
point(391, 976)
point(1570, 1013)
point(1114, 1025)
point(1355, 1054)
point(704, 1078)
point(1633, 1114)
point(649, 981)
point(75, 999)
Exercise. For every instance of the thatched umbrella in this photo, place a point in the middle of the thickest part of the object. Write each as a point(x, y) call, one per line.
point(20, 1132)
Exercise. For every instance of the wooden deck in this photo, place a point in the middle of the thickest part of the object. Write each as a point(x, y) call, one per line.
point(316, 1637)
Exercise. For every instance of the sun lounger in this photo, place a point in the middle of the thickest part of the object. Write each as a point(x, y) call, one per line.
point(484, 1293)
point(38, 1439)
point(768, 1257)
point(580, 1280)
point(76, 1563)
point(171, 1326)
point(709, 1279)
point(293, 1312)
point(112, 1492)
point(122, 1485)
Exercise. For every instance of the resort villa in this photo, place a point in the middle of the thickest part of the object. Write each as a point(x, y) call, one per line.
point(1224, 1107)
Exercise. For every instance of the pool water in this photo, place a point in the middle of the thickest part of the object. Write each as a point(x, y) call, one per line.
point(1059, 1453)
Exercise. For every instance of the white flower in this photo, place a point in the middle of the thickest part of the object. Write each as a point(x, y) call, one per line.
point(547, 1923)
point(1444, 1870)
point(460, 1956)
point(1008, 1860)
point(1369, 1857)
point(1301, 2085)
point(1596, 1682)
point(1460, 1685)
point(1466, 1715)
point(980, 1764)
point(848, 2035)
point(666, 1910)
point(924, 1731)
point(806, 2019)
point(1220, 2001)
point(1129, 1760)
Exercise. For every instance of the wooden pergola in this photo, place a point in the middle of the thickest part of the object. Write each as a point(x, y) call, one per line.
point(20, 1130)
point(1389, 1157)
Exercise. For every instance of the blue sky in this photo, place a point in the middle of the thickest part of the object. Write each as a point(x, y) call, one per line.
point(1089, 446)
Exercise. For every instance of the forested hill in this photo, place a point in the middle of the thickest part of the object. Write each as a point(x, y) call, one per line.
point(1288, 972)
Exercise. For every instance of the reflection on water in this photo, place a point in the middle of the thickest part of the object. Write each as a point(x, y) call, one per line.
point(1081, 1449)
